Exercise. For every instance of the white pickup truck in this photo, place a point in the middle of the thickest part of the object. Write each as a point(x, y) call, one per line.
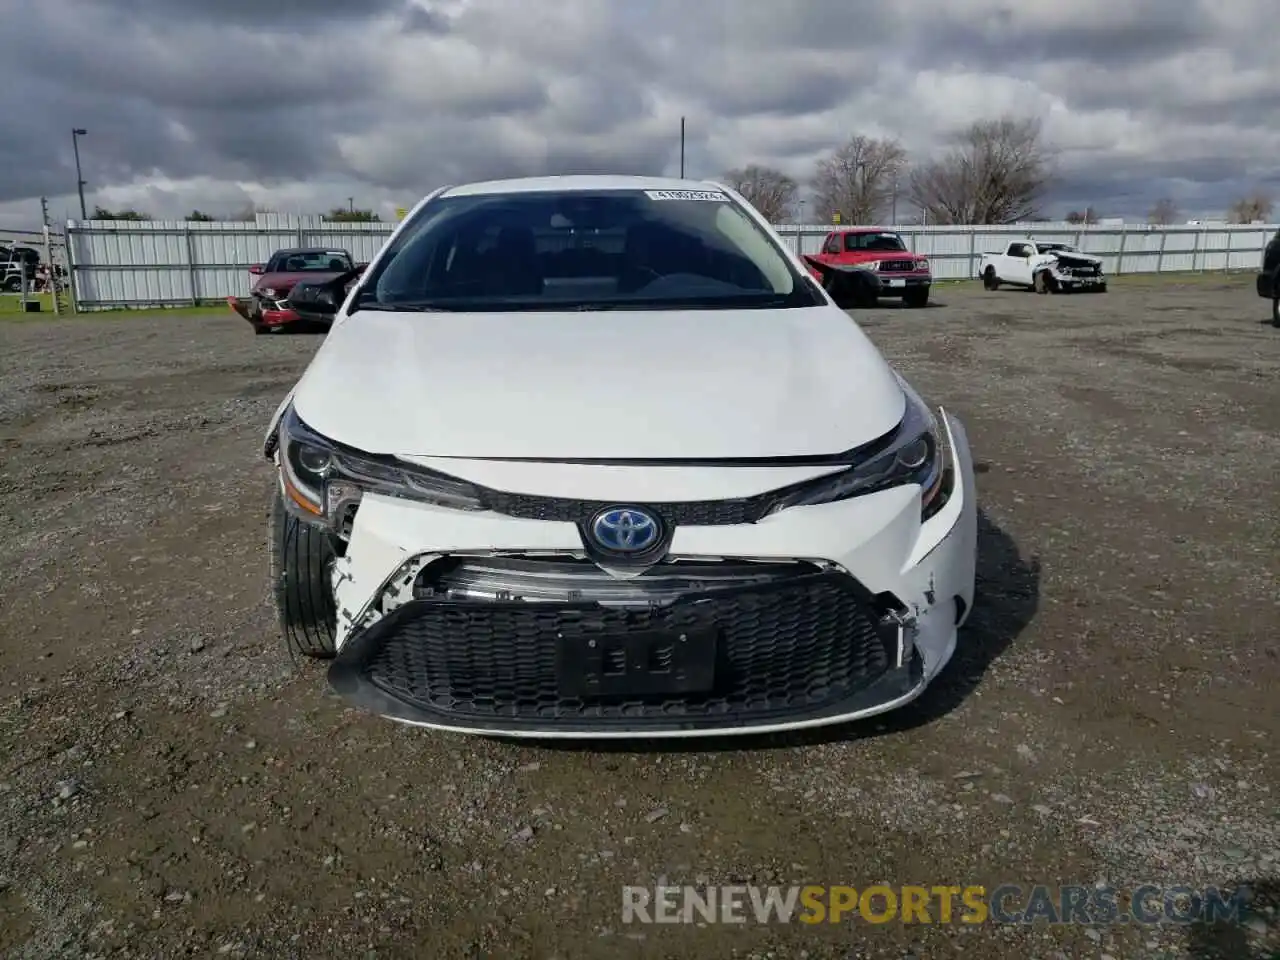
point(1045, 267)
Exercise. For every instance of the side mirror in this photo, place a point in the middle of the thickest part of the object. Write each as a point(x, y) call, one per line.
point(257, 270)
point(848, 286)
point(362, 267)
point(313, 301)
point(320, 301)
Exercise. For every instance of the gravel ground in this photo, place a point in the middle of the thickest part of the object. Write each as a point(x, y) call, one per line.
point(172, 785)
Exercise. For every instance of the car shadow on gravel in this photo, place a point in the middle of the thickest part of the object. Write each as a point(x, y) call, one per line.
point(893, 306)
point(1229, 940)
point(1006, 600)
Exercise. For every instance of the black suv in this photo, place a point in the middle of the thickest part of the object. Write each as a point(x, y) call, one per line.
point(1269, 277)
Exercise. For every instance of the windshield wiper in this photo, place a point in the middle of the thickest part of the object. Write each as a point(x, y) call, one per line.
point(641, 304)
point(405, 308)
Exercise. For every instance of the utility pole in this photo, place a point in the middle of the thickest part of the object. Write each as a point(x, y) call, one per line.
point(55, 288)
point(681, 147)
point(864, 213)
point(894, 209)
point(351, 204)
point(76, 134)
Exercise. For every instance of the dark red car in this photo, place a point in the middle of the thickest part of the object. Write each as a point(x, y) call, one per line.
point(267, 307)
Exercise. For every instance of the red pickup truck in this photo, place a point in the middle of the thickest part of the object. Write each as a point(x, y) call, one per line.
point(866, 264)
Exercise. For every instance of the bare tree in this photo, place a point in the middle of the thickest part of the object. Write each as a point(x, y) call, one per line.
point(770, 191)
point(1163, 213)
point(997, 171)
point(859, 180)
point(1087, 216)
point(1256, 206)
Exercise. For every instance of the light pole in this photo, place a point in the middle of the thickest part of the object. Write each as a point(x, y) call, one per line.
point(682, 148)
point(351, 204)
point(76, 134)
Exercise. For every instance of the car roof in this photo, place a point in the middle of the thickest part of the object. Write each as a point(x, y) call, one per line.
point(289, 250)
point(577, 183)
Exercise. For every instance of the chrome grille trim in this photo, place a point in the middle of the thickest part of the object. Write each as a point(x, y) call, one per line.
point(572, 580)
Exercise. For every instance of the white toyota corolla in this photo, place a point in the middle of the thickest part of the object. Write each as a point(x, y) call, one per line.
point(596, 457)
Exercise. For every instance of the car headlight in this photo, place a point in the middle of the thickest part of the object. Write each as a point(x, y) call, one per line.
point(270, 292)
point(913, 454)
point(870, 265)
point(922, 264)
point(324, 481)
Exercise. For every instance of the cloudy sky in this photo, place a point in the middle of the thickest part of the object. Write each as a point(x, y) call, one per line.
point(300, 104)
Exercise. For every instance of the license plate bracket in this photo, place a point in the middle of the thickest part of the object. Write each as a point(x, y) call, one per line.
point(641, 664)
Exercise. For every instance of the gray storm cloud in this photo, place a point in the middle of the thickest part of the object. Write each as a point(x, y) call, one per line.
point(188, 101)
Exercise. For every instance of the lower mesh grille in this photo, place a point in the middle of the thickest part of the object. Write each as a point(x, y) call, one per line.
point(796, 645)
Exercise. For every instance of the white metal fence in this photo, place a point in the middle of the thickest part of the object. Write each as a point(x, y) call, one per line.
point(116, 263)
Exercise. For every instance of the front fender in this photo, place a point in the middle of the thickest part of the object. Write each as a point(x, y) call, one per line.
point(244, 306)
point(269, 438)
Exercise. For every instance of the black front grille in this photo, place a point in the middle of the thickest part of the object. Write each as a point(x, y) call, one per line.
point(704, 513)
point(795, 646)
point(897, 266)
point(1081, 269)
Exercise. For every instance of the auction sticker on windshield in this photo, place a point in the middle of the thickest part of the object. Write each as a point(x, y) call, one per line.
point(711, 196)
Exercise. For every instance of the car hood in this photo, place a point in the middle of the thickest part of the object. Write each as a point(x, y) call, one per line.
point(864, 256)
point(601, 386)
point(285, 281)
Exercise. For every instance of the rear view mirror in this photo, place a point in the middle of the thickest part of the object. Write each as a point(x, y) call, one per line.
point(257, 270)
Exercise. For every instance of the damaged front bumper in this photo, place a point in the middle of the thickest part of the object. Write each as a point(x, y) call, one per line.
point(260, 312)
point(494, 624)
point(893, 284)
point(1071, 278)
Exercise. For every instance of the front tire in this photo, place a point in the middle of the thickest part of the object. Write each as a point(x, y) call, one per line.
point(916, 298)
point(1044, 283)
point(989, 279)
point(13, 284)
point(301, 556)
point(1275, 312)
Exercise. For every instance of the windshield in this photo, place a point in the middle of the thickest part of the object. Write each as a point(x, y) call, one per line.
point(310, 261)
point(1055, 248)
point(873, 241)
point(565, 250)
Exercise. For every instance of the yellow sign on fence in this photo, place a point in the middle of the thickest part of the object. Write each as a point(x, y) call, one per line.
point(401, 213)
